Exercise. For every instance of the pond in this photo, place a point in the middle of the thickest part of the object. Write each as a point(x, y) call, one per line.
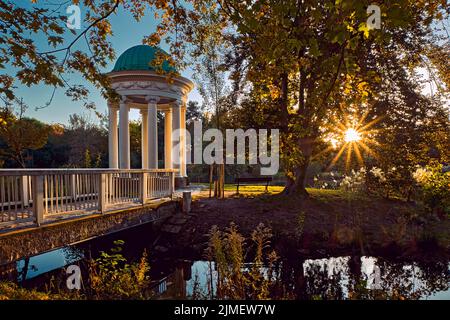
point(192, 277)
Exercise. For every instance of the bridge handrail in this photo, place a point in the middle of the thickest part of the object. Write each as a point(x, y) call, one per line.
point(37, 195)
point(37, 172)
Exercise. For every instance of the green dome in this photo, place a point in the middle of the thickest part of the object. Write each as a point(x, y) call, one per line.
point(140, 58)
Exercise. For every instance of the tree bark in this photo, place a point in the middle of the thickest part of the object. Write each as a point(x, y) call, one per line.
point(297, 185)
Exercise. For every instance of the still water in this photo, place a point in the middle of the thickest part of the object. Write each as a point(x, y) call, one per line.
point(343, 277)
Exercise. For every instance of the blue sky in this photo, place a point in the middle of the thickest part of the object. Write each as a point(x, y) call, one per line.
point(127, 32)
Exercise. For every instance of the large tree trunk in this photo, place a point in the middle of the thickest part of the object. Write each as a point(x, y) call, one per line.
point(297, 184)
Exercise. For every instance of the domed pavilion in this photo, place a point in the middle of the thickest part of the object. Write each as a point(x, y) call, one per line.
point(138, 80)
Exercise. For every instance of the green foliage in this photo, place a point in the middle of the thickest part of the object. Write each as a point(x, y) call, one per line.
point(25, 61)
point(21, 134)
point(98, 161)
point(435, 187)
point(305, 64)
point(87, 159)
point(111, 277)
point(11, 291)
point(82, 143)
point(302, 64)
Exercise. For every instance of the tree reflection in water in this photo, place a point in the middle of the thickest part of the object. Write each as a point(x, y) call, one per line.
point(334, 278)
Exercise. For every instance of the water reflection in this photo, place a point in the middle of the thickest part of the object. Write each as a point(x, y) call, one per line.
point(32, 267)
point(333, 278)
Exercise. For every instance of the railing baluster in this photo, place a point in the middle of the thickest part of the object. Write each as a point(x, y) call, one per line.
point(88, 191)
point(143, 187)
point(63, 192)
point(77, 191)
point(51, 193)
point(2, 198)
point(9, 194)
point(127, 185)
point(57, 193)
point(15, 197)
point(84, 191)
point(66, 192)
point(45, 193)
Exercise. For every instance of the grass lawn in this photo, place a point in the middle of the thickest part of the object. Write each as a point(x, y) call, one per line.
point(260, 190)
point(257, 189)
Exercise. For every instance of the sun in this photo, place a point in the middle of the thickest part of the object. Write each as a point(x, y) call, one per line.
point(351, 138)
point(351, 135)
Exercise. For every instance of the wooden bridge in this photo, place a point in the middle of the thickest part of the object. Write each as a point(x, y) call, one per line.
point(42, 209)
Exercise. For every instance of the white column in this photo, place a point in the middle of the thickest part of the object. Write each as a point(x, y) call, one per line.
point(183, 140)
point(124, 135)
point(175, 137)
point(168, 138)
point(152, 132)
point(113, 149)
point(144, 139)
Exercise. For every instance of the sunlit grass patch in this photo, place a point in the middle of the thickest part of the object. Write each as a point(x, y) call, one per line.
point(254, 188)
point(245, 189)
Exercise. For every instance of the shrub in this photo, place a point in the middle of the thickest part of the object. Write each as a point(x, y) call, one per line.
point(434, 187)
point(355, 181)
point(111, 277)
point(235, 280)
point(11, 291)
point(327, 180)
point(383, 182)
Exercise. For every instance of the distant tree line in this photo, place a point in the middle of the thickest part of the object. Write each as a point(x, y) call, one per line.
point(82, 143)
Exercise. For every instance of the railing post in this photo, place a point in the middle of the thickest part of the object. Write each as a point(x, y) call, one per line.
point(73, 186)
point(38, 199)
point(143, 185)
point(172, 184)
point(102, 192)
point(25, 198)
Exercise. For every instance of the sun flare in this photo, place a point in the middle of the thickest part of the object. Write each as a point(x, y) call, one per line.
point(352, 138)
point(351, 135)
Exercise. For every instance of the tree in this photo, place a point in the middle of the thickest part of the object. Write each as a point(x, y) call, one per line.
point(415, 129)
point(87, 159)
point(298, 57)
point(50, 62)
point(84, 135)
point(194, 112)
point(21, 134)
point(210, 78)
point(321, 49)
point(135, 144)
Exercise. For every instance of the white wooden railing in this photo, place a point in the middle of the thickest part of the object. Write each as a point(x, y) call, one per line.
point(32, 195)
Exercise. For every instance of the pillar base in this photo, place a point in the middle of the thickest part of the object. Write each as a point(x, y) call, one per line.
point(181, 182)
